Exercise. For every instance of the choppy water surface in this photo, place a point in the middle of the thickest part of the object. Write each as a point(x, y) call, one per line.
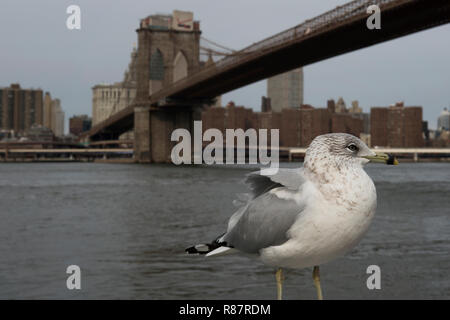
point(126, 226)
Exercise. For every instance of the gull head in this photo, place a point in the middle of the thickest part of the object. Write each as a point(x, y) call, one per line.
point(342, 150)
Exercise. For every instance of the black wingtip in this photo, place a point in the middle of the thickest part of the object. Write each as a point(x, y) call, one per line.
point(205, 248)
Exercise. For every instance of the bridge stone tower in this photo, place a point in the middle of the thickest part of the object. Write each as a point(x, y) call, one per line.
point(168, 51)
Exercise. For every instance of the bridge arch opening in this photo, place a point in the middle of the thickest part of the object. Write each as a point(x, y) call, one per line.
point(180, 67)
point(156, 72)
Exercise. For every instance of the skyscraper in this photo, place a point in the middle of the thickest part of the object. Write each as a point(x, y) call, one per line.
point(444, 120)
point(57, 118)
point(20, 108)
point(286, 90)
point(53, 115)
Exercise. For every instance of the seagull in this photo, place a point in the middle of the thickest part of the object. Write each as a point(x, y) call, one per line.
point(305, 217)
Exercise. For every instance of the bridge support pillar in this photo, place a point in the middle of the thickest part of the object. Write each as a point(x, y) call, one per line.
point(153, 130)
point(142, 134)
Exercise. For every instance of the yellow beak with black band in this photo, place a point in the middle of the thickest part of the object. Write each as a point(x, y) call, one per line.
point(382, 158)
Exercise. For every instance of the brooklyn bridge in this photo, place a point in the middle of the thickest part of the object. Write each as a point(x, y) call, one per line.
point(169, 97)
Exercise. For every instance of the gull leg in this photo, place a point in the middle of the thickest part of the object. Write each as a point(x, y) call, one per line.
point(316, 278)
point(279, 276)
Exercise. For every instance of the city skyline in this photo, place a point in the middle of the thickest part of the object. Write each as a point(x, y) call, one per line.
point(411, 69)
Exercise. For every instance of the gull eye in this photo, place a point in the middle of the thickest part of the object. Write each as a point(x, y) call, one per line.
point(352, 147)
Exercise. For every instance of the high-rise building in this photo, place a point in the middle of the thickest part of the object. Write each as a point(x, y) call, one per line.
point(444, 120)
point(57, 118)
point(286, 90)
point(47, 121)
point(53, 115)
point(108, 99)
point(20, 108)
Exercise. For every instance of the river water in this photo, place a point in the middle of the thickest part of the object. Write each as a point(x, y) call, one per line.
point(126, 227)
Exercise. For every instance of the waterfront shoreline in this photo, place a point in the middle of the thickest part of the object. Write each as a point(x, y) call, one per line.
point(132, 161)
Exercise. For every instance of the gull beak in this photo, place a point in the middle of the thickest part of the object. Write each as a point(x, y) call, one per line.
point(382, 158)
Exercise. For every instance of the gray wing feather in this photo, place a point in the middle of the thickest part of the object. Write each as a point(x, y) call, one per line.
point(260, 182)
point(265, 219)
point(262, 223)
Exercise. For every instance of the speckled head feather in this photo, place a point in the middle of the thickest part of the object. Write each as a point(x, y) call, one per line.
point(337, 150)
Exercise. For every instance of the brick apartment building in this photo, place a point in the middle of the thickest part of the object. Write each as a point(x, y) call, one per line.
point(298, 126)
point(396, 126)
point(20, 108)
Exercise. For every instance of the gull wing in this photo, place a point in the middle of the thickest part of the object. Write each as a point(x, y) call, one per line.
point(266, 218)
point(263, 222)
point(267, 179)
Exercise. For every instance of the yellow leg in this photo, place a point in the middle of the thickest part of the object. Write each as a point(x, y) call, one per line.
point(316, 278)
point(280, 278)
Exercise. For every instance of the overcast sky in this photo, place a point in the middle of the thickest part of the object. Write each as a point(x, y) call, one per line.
point(37, 50)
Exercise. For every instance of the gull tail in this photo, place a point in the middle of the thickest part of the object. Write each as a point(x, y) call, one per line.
point(215, 248)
